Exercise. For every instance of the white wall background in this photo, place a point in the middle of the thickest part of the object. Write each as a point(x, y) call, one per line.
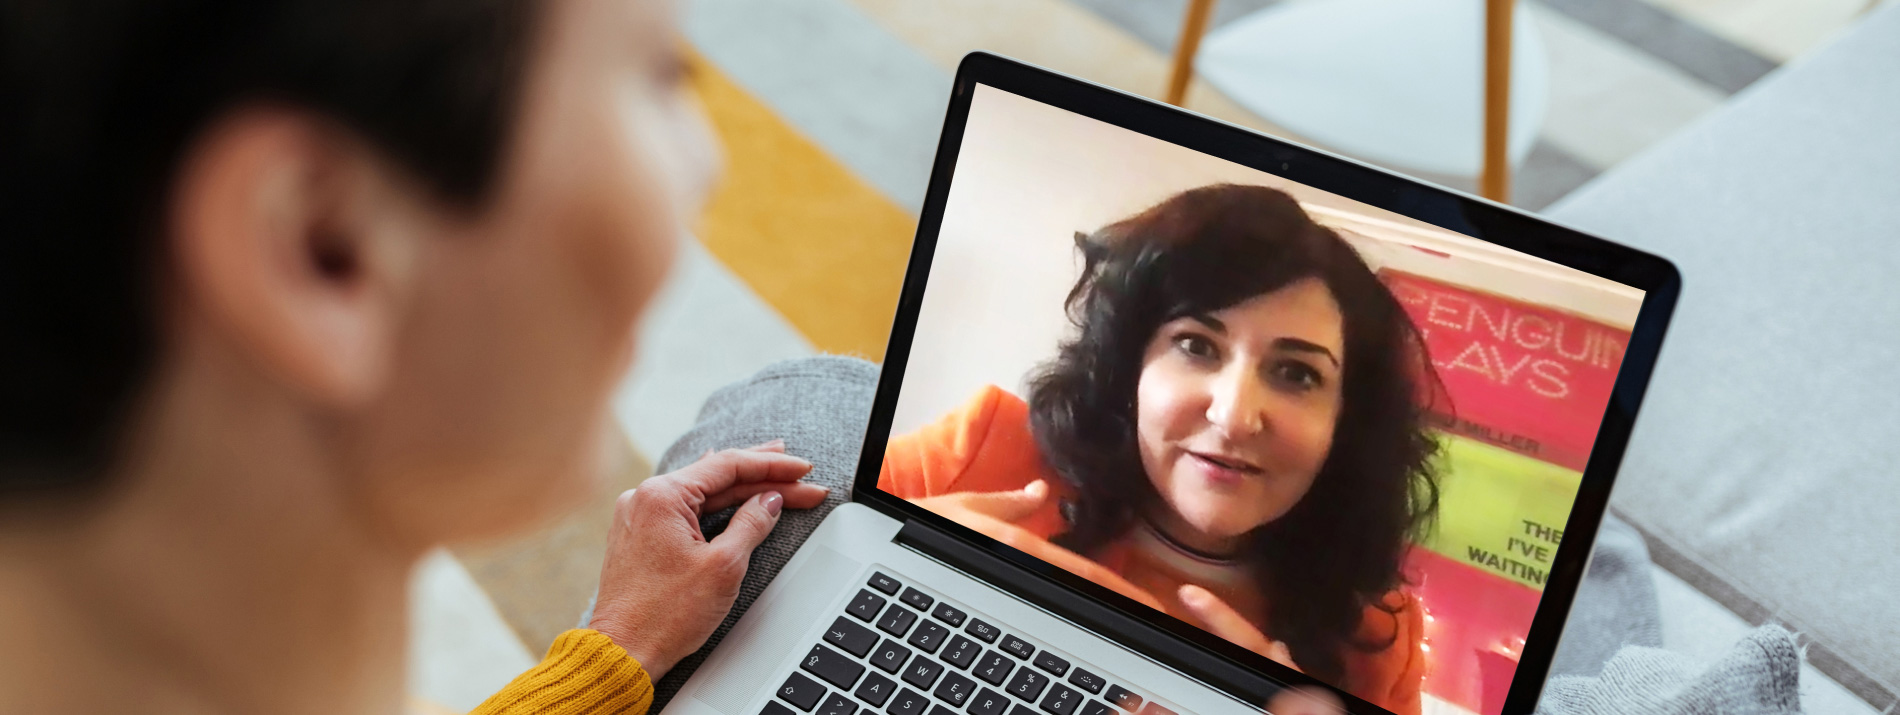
point(1029, 176)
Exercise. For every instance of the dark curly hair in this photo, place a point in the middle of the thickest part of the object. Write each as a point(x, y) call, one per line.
point(1338, 550)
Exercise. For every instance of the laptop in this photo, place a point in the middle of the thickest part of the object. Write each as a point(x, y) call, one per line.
point(1176, 415)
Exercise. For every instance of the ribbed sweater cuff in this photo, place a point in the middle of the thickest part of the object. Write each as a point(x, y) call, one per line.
point(585, 673)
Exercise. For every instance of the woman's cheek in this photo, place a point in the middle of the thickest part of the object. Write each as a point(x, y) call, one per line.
point(1306, 441)
point(1159, 422)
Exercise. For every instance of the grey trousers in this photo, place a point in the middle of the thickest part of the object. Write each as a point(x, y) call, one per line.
point(1610, 660)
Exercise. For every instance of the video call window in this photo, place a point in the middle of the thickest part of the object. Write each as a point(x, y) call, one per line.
point(1339, 437)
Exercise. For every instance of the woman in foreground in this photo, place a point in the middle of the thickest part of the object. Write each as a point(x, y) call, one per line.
point(1231, 436)
point(295, 291)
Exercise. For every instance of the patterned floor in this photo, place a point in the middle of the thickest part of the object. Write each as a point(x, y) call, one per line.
point(830, 110)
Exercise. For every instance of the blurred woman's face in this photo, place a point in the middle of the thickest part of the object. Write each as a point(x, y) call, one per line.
point(498, 413)
point(1235, 411)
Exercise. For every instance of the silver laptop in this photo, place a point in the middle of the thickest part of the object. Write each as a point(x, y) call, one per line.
point(1045, 504)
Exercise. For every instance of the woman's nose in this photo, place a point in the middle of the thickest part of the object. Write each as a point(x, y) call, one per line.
point(1238, 404)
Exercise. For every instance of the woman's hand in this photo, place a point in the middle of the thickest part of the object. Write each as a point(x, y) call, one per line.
point(1305, 700)
point(664, 586)
point(1222, 620)
point(997, 515)
point(1007, 507)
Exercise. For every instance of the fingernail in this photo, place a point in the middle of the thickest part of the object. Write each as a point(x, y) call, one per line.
point(773, 503)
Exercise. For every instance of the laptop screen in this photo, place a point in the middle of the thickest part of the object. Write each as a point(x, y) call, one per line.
point(1341, 438)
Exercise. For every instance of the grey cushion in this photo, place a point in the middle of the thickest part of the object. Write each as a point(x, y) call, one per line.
point(1764, 463)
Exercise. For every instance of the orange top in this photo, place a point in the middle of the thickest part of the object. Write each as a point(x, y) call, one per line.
point(986, 446)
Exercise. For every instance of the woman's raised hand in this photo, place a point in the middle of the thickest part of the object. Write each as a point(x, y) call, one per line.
point(1006, 506)
point(999, 515)
point(665, 586)
point(1305, 700)
point(1222, 620)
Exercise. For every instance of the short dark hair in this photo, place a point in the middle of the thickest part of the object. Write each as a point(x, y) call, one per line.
point(1339, 550)
point(99, 100)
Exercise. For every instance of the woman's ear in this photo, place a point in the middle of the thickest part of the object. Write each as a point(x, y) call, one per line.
point(288, 245)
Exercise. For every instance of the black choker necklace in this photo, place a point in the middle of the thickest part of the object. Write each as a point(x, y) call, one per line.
point(1189, 551)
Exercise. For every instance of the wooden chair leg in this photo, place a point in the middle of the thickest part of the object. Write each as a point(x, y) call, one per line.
point(1192, 27)
point(1494, 180)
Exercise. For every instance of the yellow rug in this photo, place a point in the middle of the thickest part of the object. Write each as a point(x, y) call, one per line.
point(816, 242)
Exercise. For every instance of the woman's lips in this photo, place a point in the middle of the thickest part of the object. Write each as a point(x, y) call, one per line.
point(1222, 470)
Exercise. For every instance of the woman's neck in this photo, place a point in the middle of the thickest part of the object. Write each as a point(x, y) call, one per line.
point(1178, 534)
point(220, 572)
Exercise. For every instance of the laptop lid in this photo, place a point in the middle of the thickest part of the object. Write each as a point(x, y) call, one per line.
point(1265, 414)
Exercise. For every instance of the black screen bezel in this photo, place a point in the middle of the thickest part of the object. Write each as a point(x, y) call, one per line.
point(1495, 223)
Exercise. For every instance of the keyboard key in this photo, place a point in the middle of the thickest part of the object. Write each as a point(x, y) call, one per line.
point(890, 656)
point(801, 691)
point(929, 637)
point(948, 614)
point(865, 606)
point(961, 652)
point(917, 599)
point(884, 583)
point(941, 710)
point(772, 707)
point(1087, 681)
point(955, 689)
point(1018, 647)
point(993, 668)
point(1097, 707)
point(908, 702)
point(838, 704)
point(1123, 699)
point(983, 631)
point(1023, 710)
point(1156, 709)
point(1061, 701)
point(897, 620)
point(831, 666)
point(853, 638)
point(875, 689)
point(1047, 661)
point(1027, 684)
point(922, 672)
point(988, 702)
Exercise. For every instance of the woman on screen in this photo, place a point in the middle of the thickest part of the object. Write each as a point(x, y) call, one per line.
point(1232, 437)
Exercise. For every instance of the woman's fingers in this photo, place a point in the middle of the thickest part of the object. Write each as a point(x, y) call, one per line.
point(1010, 506)
point(1304, 701)
point(798, 495)
point(727, 468)
point(750, 525)
point(1222, 620)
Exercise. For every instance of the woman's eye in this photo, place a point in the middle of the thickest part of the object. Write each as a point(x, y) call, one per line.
point(1196, 346)
point(1297, 374)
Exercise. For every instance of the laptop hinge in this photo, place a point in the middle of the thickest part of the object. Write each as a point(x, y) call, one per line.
point(1096, 617)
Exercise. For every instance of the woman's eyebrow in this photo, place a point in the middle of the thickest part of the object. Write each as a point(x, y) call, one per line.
point(1298, 345)
point(1211, 322)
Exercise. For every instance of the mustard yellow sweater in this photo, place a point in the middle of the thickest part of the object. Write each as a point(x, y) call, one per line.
point(585, 673)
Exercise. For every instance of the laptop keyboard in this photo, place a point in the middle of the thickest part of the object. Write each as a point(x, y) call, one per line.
point(900, 651)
